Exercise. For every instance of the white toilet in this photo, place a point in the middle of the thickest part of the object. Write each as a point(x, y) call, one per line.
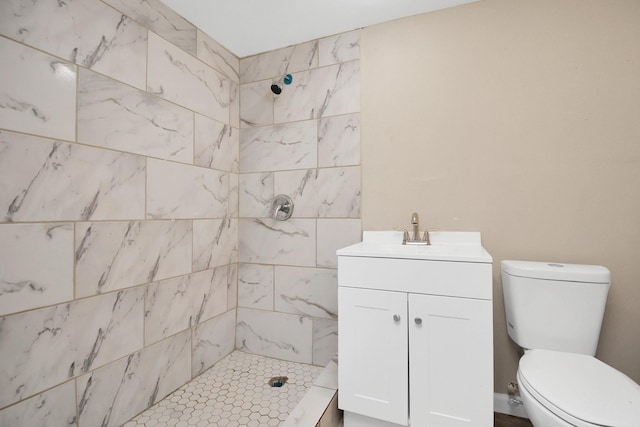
point(554, 312)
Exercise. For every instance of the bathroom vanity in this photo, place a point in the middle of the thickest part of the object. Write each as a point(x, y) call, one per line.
point(415, 332)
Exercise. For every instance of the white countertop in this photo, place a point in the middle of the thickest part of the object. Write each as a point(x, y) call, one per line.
point(445, 246)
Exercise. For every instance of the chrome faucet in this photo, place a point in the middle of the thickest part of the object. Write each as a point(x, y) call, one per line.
point(416, 226)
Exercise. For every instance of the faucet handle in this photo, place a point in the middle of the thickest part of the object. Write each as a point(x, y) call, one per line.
point(425, 236)
point(405, 236)
point(281, 207)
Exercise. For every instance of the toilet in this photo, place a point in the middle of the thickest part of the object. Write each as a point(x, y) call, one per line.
point(554, 312)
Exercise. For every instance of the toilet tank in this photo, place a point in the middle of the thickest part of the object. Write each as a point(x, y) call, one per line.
point(555, 306)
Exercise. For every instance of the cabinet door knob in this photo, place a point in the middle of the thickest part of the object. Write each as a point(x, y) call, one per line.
point(418, 321)
point(396, 318)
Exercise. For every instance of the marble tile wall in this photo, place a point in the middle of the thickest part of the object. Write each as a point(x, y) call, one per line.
point(305, 143)
point(138, 160)
point(119, 178)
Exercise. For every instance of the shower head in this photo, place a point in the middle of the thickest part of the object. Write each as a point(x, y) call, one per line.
point(276, 87)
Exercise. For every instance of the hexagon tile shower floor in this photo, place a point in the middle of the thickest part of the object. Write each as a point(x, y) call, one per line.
point(234, 392)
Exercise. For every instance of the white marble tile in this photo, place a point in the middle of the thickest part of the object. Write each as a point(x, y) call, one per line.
point(217, 301)
point(216, 144)
point(116, 255)
point(307, 291)
point(45, 180)
point(339, 48)
point(38, 93)
point(179, 77)
point(176, 304)
point(267, 241)
point(161, 19)
point(86, 32)
point(256, 104)
point(51, 345)
point(114, 115)
point(111, 395)
point(325, 340)
point(279, 335)
point(332, 192)
point(310, 409)
point(36, 265)
point(334, 234)
point(328, 378)
point(326, 91)
point(234, 104)
point(280, 147)
point(170, 305)
point(255, 286)
point(277, 63)
point(233, 207)
point(181, 191)
point(256, 194)
point(339, 140)
point(53, 408)
point(212, 340)
point(215, 243)
point(232, 285)
point(217, 56)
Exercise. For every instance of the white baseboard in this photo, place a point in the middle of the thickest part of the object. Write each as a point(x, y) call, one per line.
point(501, 405)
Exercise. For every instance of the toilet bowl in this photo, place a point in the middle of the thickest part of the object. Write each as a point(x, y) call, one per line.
point(554, 312)
point(566, 389)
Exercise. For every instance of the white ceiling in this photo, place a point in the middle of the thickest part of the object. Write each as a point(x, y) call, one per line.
point(247, 27)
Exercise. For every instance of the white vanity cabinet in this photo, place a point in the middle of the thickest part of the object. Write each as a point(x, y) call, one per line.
point(372, 356)
point(415, 335)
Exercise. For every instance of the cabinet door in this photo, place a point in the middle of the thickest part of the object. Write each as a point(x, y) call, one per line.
point(451, 361)
point(372, 348)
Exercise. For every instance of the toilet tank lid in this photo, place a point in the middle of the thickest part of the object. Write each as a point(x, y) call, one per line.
point(557, 271)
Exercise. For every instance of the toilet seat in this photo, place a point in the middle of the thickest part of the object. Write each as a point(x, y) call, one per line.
point(580, 389)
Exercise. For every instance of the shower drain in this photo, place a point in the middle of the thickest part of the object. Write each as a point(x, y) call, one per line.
point(277, 381)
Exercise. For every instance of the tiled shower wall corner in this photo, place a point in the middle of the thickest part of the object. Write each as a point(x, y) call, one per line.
point(304, 143)
point(119, 176)
point(119, 149)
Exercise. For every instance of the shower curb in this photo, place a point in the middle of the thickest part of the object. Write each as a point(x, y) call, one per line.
point(319, 406)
